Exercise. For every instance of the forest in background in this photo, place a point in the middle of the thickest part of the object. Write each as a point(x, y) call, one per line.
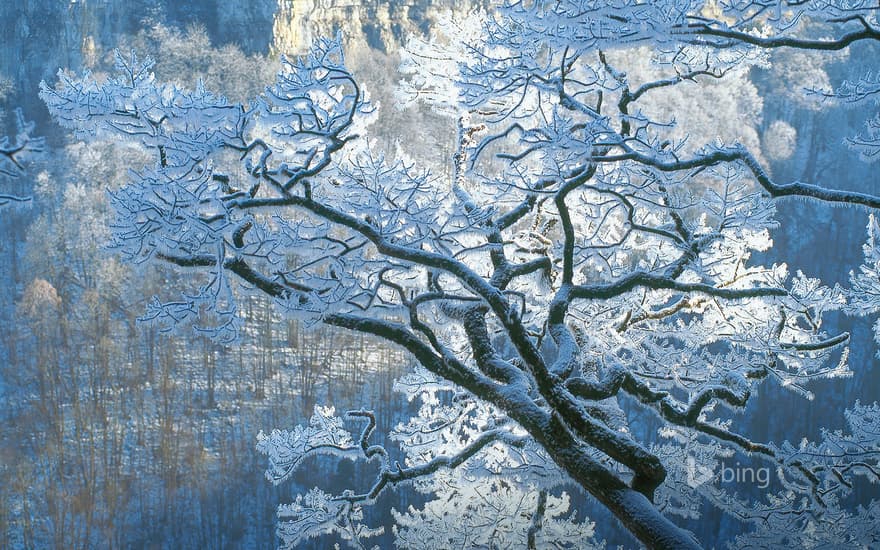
point(117, 434)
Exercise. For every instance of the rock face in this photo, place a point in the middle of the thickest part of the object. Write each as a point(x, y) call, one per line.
point(40, 36)
point(245, 23)
point(381, 25)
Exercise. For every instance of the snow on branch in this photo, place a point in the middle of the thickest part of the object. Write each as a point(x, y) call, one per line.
point(15, 151)
point(286, 450)
point(318, 513)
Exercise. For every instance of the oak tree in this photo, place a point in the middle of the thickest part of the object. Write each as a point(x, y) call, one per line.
point(585, 258)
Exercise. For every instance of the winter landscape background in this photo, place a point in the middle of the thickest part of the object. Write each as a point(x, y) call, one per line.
point(116, 434)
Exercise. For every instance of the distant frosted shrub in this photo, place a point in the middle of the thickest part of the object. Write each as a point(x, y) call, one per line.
point(780, 140)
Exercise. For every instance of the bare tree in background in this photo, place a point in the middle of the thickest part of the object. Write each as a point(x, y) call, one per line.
point(13, 149)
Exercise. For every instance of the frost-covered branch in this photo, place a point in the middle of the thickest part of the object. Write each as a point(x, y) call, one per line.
point(13, 152)
point(739, 154)
point(650, 281)
point(721, 36)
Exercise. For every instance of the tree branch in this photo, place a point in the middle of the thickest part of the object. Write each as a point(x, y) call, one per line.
point(734, 36)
